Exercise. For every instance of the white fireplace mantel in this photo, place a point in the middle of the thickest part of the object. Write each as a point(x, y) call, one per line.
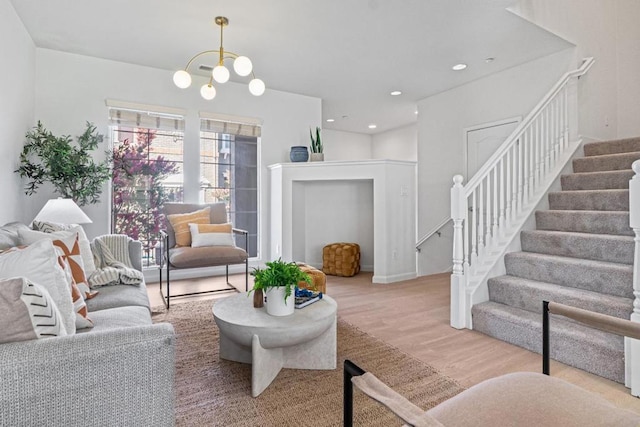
point(394, 206)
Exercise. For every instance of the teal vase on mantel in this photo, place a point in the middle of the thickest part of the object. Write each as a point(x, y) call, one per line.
point(299, 153)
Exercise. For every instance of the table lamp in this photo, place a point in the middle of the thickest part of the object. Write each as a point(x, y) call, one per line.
point(62, 211)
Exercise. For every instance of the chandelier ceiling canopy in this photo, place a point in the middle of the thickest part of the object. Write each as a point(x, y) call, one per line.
point(241, 65)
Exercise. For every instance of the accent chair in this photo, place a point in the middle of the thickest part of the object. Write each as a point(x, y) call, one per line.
point(174, 257)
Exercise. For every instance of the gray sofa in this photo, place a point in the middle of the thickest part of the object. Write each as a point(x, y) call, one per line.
point(118, 373)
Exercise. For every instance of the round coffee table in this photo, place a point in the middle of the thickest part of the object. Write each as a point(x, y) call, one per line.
point(304, 340)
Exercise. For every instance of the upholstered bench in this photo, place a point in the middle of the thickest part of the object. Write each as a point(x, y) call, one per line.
point(341, 259)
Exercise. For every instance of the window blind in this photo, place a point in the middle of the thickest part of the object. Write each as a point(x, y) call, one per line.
point(127, 117)
point(231, 126)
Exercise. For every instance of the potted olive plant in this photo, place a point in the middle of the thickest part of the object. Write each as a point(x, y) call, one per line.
point(69, 167)
point(278, 282)
point(317, 150)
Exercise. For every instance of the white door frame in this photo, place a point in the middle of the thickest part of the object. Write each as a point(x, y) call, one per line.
point(465, 137)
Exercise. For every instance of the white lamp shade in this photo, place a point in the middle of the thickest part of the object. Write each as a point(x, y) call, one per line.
point(256, 87)
point(208, 92)
point(62, 211)
point(242, 66)
point(182, 79)
point(220, 74)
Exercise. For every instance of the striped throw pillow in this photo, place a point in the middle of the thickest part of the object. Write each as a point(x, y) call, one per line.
point(180, 224)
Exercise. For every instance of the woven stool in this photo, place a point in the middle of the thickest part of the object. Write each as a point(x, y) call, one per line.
point(318, 279)
point(341, 259)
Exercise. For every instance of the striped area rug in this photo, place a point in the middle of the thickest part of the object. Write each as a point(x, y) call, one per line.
point(215, 392)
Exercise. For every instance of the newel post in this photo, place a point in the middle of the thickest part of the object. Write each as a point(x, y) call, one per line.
point(459, 309)
point(632, 346)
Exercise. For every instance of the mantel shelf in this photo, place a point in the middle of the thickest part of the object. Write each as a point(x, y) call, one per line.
point(348, 163)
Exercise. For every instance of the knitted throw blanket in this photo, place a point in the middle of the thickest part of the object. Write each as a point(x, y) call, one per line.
point(113, 264)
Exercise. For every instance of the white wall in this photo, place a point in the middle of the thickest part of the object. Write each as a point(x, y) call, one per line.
point(71, 89)
point(17, 100)
point(339, 145)
point(396, 144)
point(336, 211)
point(609, 31)
point(441, 122)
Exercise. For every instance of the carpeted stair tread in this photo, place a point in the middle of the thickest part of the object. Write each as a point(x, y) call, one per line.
point(590, 200)
point(611, 147)
point(528, 295)
point(605, 162)
point(594, 351)
point(604, 180)
point(597, 276)
point(596, 222)
point(597, 247)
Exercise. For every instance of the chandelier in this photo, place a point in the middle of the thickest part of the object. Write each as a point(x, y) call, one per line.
point(241, 64)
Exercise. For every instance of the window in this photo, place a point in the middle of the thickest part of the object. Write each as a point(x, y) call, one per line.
point(229, 172)
point(148, 164)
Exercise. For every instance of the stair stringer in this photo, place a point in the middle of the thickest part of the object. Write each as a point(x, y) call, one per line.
point(491, 264)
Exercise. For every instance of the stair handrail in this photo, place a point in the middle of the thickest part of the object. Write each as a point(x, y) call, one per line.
point(433, 231)
point(632, 347)
point(490, 209)
point(517, 132)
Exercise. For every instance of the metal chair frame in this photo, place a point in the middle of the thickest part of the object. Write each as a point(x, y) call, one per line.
point(164, 262)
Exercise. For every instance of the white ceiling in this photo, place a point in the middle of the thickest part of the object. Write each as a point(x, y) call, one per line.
point(350, 53)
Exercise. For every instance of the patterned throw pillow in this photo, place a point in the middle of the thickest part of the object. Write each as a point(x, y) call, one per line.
point(70, 248)
point(211, 235)
point(39, 263)
point(79, 305)
point(85, 248)
point(27, 311)
point(180, 224)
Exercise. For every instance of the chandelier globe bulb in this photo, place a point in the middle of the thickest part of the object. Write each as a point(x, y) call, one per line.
point(208, 92)
point(242, 66)
point(182, 79)
point(220, 74)
point(256, 87)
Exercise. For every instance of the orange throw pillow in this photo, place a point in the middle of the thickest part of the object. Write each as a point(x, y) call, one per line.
point(180, 224)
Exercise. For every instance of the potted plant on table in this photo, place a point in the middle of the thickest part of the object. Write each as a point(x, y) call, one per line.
point(278, 282)
point(317, 150)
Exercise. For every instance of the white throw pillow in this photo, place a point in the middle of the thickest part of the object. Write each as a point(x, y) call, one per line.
point(85, 245)
point(211, 235)
point(39, 264)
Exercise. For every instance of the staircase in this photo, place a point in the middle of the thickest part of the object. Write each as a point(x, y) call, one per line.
point(580, 254)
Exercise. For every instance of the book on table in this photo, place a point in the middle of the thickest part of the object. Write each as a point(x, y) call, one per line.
point(306, 297)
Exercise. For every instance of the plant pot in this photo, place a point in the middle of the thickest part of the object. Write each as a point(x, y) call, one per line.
point(258, 298)
point(317, 157)
point(299, 153)
point(276, 305)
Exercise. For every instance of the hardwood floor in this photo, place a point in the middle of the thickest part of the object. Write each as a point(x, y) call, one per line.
point(414, 317)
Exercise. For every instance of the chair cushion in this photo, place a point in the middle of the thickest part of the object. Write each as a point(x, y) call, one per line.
point(206, 256)
point(530, 399)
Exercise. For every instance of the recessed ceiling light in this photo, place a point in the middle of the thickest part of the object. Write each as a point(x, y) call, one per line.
point(331, 120)
point(416, 112)
point(459, 67)
point(489, 59)
point(396, 93)
point(372, 126)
